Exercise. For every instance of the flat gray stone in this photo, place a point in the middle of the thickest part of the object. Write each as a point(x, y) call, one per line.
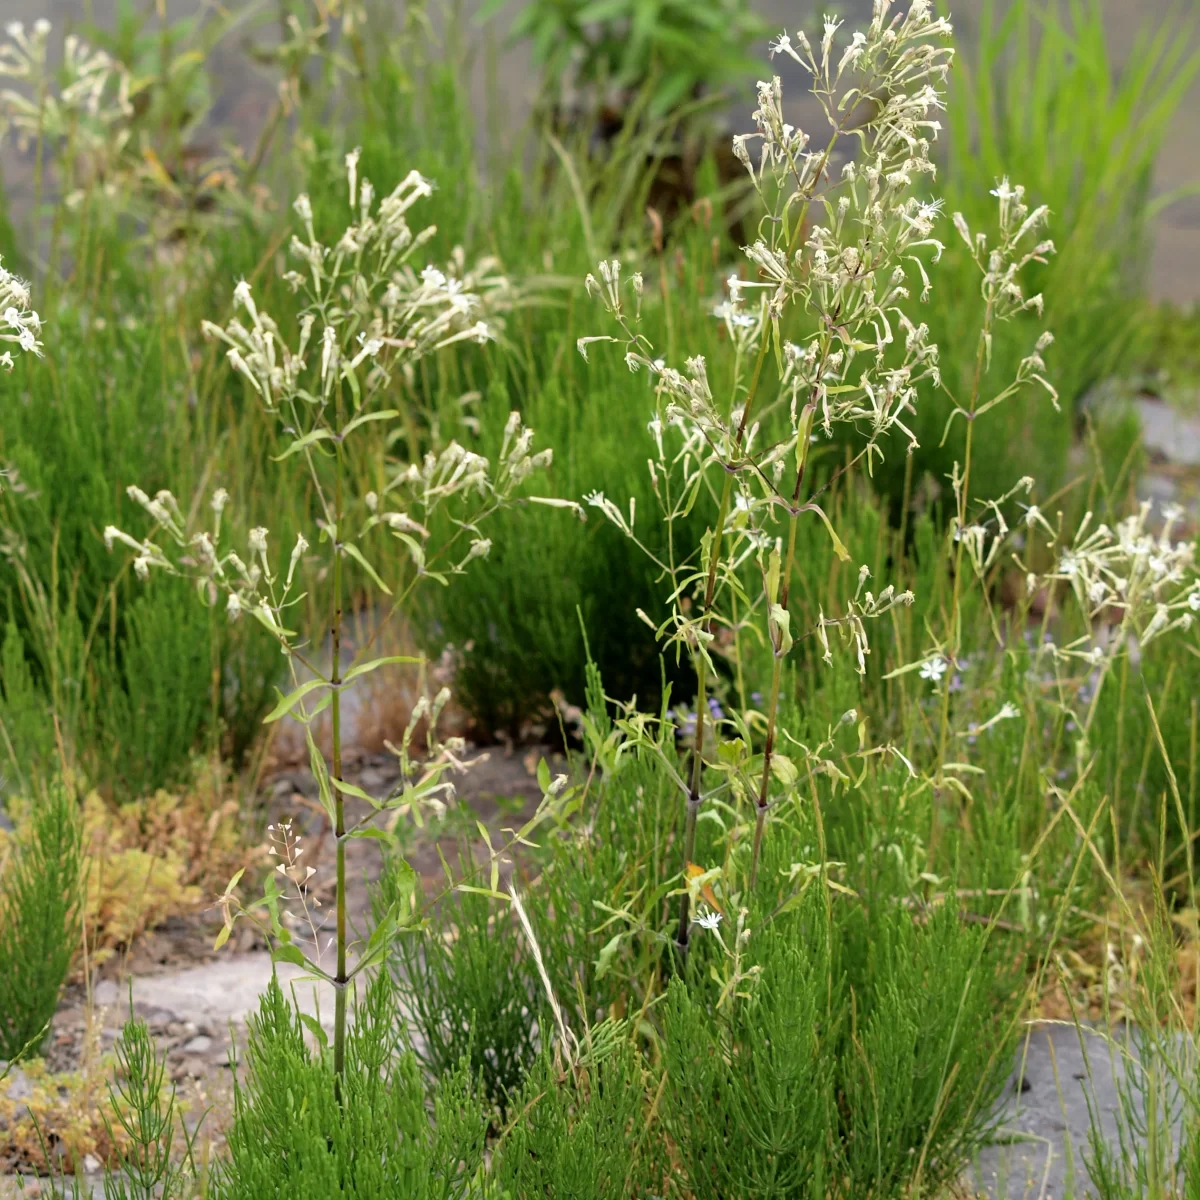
point(227, 990)
point(1168, 433)
point(1072, 1080)
point(105, 994)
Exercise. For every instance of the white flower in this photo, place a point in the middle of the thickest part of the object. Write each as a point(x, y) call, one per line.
point(258, 540)
point(219, 499)
point(480, 548)
point(241, 295)
point(1194, 601)
point(709, 920)
point(933, 668)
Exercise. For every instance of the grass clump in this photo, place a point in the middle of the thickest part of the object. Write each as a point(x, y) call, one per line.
point(41, 896)
point(585, 1127)
point(294, 1135)
point(468, 992)
point(117, 1112)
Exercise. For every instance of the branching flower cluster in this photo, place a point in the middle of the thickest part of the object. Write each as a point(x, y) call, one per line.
point(851, 273)
point(370, 316)
point(19, 323)
point(1143, 584)
point(369, 312)
point(1000, 268)
point(1130, 587)
point(87, 99)
point(865, 606)
point(94, 131)
point(248, 584)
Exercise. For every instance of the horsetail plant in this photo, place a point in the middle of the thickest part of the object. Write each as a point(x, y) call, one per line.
point(370, 315)
point(849, 275)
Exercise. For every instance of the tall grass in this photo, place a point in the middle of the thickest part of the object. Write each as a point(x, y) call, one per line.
point(41, 889)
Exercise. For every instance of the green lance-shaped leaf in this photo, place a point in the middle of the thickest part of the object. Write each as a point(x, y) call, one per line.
point(304, 443)
point(384, 415)
point(838, 548)
point(367, 667)
point(289, 702)
point(355, 553)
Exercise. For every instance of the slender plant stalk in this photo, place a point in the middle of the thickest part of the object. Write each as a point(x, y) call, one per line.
point(955, 639)
point(339, 800)
point(761, 805)
point(710, 588)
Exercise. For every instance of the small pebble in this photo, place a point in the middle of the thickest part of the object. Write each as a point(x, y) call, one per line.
point(198, 1045)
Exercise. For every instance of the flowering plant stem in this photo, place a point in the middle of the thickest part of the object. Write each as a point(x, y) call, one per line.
point(778, 653)
point(955, 641)
point(710, 588)
point(761, 805)
point(370, 316)
point(335, 720)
